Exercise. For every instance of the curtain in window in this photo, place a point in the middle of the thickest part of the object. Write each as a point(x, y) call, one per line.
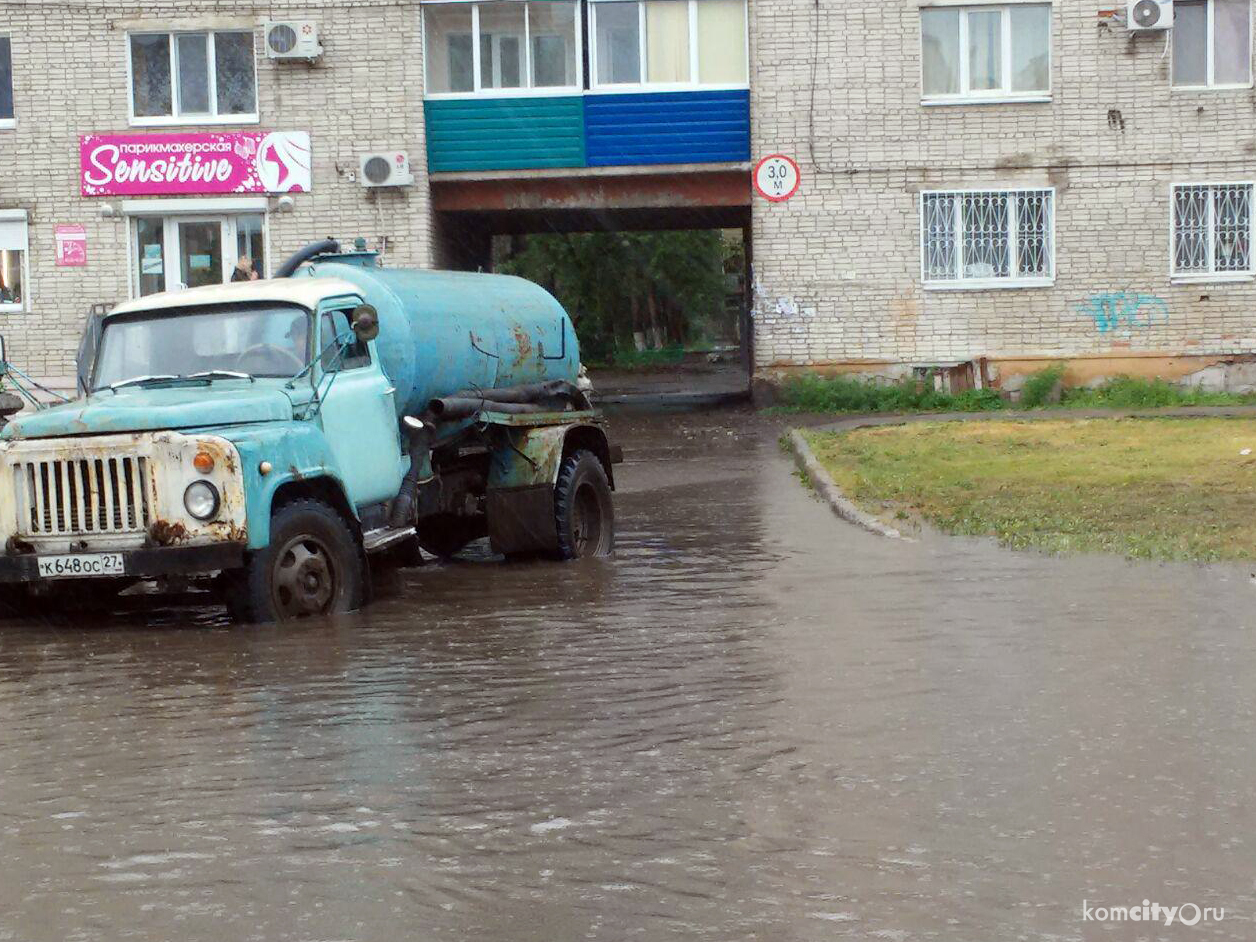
point(667, 41)
point(1190, 42)
point(150, 75)
point(1031, 48)
point(235, 73)
point(192, 51)
point(940, 47)
point(722, 42)
point(1232, 56)
point(985, 50)
point(6, 78)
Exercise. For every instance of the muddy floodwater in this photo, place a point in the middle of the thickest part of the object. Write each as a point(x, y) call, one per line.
point(755, 722)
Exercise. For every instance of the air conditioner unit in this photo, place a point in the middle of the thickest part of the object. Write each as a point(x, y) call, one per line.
point(385, 169)
point(1149, 15)
point(292, 39)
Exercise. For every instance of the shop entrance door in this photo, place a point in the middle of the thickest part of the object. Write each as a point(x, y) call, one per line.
point(171, 253)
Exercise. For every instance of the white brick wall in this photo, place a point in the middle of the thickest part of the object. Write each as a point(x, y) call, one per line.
point(838, 267)
point(70, 78)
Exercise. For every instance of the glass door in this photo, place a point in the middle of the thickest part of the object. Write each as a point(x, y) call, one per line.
point(200, 252)
point(171, 253)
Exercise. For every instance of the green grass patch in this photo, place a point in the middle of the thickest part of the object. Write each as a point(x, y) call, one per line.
point(844, 394)
point(1125, 392)
point(1154, 488)
point(811, 393)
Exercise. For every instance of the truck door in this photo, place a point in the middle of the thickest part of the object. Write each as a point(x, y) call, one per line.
point(357, 414)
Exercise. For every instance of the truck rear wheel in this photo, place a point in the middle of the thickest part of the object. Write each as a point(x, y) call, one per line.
point(312, 567)
point(583, 511)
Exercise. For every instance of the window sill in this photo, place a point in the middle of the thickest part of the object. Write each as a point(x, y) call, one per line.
point(12, 309)
point(192, 122)
point(1190, 89)
point(989, 284)
point(7, 124)
point(1231, 278)
point(984, 100)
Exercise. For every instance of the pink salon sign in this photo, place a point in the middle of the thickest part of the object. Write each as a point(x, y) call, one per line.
point(194, 164)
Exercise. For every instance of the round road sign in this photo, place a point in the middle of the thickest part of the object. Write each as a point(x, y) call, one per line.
point(777, 178)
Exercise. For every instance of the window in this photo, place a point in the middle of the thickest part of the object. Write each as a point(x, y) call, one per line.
point(13, 260)
point(501, 46)
point(988, 239)
point(1212, 43)
point(669, 42)
point(986, 53)
point(356, 353)
point(193, 78)
point(1212, 231)
point(6, 83)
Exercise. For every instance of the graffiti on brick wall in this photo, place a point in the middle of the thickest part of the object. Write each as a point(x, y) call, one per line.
point(1125, 311)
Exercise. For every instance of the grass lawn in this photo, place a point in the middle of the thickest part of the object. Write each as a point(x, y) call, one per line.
point(1156, 488)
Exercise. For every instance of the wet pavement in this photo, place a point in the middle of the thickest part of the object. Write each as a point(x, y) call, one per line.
point(755, 722)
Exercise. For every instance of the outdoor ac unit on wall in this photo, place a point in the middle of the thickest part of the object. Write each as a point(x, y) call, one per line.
point(1150, 14)
point(292, 39)
point(385, 169)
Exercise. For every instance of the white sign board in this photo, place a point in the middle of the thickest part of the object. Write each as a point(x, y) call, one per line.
point(777, 178)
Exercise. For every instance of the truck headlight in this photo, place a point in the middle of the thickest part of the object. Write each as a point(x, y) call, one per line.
point(201, 500)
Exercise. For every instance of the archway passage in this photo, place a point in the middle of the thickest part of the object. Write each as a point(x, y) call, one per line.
point(652, 264)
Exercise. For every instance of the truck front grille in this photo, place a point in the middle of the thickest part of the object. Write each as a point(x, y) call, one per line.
point(82, 495)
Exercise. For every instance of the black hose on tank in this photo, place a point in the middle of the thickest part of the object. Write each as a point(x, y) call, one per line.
point(301, 256)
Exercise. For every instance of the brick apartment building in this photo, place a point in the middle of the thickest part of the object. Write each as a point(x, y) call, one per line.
point(1011, 183)
point(1018, 181)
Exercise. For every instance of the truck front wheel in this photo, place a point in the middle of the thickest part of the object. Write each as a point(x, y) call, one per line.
point(583, 511)
point(312, 567)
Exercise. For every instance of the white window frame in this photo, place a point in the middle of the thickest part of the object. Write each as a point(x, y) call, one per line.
point(176, 119)
point(8, 124)
point(549, 91)
point(985, 284)
point(23, 306)
point(1210, 40)
point(190, 209)
point(619, 88)
point(1212, 276)
point(1001, 96)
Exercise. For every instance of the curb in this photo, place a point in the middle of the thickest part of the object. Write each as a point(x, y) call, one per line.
point(832, 494)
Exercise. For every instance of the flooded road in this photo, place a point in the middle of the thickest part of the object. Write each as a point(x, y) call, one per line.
point(754, 722)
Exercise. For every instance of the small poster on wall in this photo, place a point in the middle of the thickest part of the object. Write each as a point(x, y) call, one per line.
point(71, 245)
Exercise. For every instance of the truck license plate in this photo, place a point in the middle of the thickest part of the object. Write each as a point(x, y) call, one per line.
point(81, 564)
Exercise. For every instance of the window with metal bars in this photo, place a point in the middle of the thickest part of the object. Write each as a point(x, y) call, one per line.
point(1212, 230)
point(988, 238)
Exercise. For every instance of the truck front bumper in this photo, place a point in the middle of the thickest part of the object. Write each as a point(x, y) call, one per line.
point(138, 564)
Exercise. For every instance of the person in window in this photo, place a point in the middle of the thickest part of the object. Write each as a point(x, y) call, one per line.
point(244, 270)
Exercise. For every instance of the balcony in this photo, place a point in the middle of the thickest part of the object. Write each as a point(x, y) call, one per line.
point(568, 84)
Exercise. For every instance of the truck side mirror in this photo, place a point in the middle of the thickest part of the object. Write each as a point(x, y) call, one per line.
point(365, 322)
point(3, 359)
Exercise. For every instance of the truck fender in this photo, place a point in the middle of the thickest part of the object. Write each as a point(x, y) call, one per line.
point(298, 465)
point(523, 470)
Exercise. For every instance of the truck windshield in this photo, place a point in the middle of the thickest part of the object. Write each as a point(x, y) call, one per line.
point(260, 340)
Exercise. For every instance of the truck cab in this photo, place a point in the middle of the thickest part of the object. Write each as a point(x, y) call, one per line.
point(275, 439)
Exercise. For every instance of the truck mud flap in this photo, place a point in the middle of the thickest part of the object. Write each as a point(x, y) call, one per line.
point(521, 520)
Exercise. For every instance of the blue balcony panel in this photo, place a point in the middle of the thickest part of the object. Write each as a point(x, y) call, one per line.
point(504, 133)
point(667, 128)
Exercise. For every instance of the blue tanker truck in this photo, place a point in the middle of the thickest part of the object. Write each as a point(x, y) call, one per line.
point(277, 440)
